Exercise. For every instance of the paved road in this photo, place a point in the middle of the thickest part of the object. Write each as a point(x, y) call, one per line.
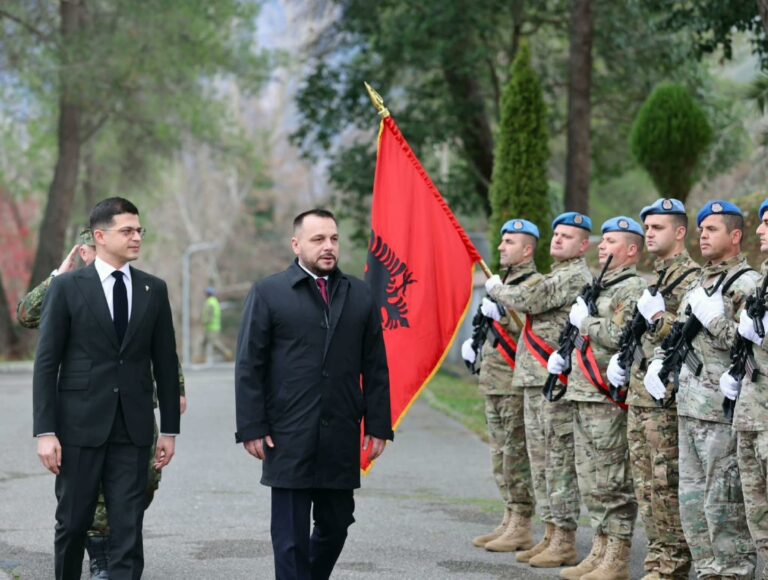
point(429, 494)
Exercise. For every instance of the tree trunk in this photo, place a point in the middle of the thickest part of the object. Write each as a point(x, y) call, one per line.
point(579, 150)
point(762, 7)
point(61, 193)
point(9, 339)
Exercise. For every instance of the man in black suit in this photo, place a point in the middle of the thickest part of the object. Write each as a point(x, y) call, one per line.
point(310, 367)
point(105, 330)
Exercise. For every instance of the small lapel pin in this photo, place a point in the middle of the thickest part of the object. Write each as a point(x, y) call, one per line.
point(146, 288)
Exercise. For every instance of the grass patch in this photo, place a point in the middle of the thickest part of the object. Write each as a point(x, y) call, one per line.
point(455, 393)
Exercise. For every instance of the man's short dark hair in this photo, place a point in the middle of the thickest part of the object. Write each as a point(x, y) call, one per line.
point(679, 219)
point(733, 222)
point(104, 212)
point(319, 212)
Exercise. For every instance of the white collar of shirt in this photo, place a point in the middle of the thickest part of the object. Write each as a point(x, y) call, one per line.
point(104, 271)
point(314, 276)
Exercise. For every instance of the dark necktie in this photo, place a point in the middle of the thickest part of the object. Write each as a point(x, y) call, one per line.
point(120, 305)
point(322, 283)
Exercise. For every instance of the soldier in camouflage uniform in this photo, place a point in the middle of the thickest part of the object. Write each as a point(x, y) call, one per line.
point(28, 313)
point(602, 453)
point(504, 403)
point(652, 430)
point(750, 420)
point(549, 426)
point(711, 500)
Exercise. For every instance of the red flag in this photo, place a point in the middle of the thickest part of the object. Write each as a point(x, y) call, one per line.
point(420, 268)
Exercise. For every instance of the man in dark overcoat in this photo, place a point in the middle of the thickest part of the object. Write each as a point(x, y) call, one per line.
point(311, 366)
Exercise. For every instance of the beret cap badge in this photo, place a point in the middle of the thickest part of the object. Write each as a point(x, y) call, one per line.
point(518, 225)
point(666, 204)
point(578, 219)
point(717, 208)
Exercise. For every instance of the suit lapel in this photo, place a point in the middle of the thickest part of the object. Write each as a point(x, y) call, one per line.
point(93, 293)
point(140, 292)
point(338, 297)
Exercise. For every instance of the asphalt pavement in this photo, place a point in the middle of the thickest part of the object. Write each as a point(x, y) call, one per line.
point(427, 496)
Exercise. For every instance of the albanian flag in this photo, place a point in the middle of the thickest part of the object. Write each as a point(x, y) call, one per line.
point(420, 269)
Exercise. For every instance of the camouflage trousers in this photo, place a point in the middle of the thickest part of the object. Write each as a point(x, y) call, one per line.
point(752, 453)
point(711, 500)
point(509, 460)
point(549, 435)
point(653, 452)
point(100, 525)
point(602, 463)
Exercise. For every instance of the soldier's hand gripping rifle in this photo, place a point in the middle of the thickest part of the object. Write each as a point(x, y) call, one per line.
point(481, 326)
point(570, 337)
point(630, 343)
point(678, 349)
point(742, 358)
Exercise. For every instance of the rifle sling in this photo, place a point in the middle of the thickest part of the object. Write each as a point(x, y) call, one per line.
point(589, 367)
point(505, 344)
point(677, 281)
point(539, 347)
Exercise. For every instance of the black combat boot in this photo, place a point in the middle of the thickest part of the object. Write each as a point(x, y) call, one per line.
point(97, 547)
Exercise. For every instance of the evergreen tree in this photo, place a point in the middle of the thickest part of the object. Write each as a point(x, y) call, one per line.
point(519, 187)
point(668, 139)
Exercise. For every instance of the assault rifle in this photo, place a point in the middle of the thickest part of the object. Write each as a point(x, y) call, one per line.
point(742, 358)
point(481, 326)
point(630, 346)
point(678, 349)
point(570, 337)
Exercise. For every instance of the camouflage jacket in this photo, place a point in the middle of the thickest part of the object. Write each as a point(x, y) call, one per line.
point(652, 339)
point(700, 397)
point(751, 412)
point(30, 307)
point(614, 308)
point(495, 373)
point(547, 301)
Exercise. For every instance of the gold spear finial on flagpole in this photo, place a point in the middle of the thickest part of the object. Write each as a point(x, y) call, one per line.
point(377, 101)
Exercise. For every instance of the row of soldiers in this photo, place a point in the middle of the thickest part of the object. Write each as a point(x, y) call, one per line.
point(628, 436)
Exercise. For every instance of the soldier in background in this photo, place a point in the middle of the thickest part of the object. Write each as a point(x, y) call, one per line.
point(652, 430)
point(750, 420)
point(28, 313)
point(502, 354)
point(602, 454)
point(211, 320)
point(711, 500)
point(549, 425)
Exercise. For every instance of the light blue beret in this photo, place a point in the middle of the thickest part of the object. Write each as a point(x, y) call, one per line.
point(520, 227)
point(717, 207)
point(573, 218)
point(624, 224)
point(663, 206)
point(763, 207)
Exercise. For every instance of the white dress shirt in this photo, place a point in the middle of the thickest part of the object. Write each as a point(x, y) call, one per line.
point(104, 271)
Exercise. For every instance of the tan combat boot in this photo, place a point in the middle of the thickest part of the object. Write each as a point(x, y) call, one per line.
point(526, 555)
point(517, 536)
point(615, 563)
point(560, 552)
point(589, 563)
point(481, 541)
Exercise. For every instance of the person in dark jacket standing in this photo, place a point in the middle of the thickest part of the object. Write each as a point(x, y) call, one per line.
point(311, 366)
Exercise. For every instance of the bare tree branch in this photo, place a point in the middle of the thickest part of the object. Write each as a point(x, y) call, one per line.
point(26, 25)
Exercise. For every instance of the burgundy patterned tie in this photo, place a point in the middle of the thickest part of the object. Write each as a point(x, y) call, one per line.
point(322, 283)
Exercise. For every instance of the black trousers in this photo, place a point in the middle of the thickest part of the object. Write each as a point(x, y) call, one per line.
point(299, 556)
point(121, 468)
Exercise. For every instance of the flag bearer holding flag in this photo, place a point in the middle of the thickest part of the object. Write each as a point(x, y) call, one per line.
point(602, 454)
point(502, 354)
point(549, 426)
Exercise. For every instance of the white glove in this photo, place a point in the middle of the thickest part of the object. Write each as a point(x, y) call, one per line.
point(490, 309)
point(467, 352)
point(492, 282)
point(555, 364)
point(650, 305)
point(652, 382)
point(616, 375)
point(579, 312)
point(747, 329)
point(706, 308)
point(729, 386)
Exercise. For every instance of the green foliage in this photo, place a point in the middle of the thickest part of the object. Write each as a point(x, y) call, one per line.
point(519, 188)
point(668, 139)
